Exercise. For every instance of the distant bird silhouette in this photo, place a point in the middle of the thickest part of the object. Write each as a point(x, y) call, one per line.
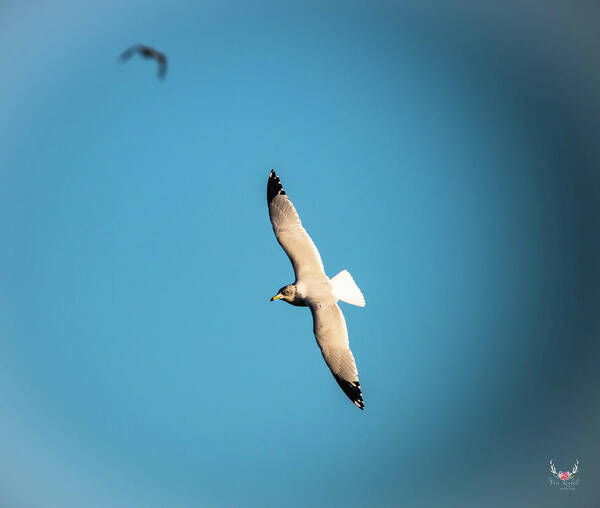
point(147, 52)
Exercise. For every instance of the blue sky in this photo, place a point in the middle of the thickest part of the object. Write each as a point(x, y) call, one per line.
point(446, 156)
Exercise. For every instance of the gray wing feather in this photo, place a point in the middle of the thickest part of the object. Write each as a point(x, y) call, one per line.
point(290, 233)
point(330, 330)
point(128, 53)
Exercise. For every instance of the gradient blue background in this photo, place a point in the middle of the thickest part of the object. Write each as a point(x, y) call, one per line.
point(448, 156)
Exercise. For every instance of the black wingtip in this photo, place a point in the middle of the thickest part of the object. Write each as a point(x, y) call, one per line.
point(352, 390)
point(274, 187)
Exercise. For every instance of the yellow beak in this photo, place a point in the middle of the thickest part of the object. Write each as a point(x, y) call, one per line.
point(276, 297)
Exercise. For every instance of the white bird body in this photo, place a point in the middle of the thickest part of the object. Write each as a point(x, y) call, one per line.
point(315, 290)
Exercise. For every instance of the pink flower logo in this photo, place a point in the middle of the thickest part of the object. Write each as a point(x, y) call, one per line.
point(563, 475)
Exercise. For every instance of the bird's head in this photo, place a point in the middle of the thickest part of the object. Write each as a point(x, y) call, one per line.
point(286, 293)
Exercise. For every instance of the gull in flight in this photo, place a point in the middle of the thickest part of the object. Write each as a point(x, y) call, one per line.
point(147, 52)
point(313, 289)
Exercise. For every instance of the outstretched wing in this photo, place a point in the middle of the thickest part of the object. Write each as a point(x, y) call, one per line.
point(129, 52)
point(290, 234)
point(331, 333)
point(162, 64)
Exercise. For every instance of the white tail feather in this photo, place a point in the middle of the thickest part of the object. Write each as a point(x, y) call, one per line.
point(345, 289)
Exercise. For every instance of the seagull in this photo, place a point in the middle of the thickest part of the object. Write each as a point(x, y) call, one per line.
point(147, 52)
point(313, 289)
